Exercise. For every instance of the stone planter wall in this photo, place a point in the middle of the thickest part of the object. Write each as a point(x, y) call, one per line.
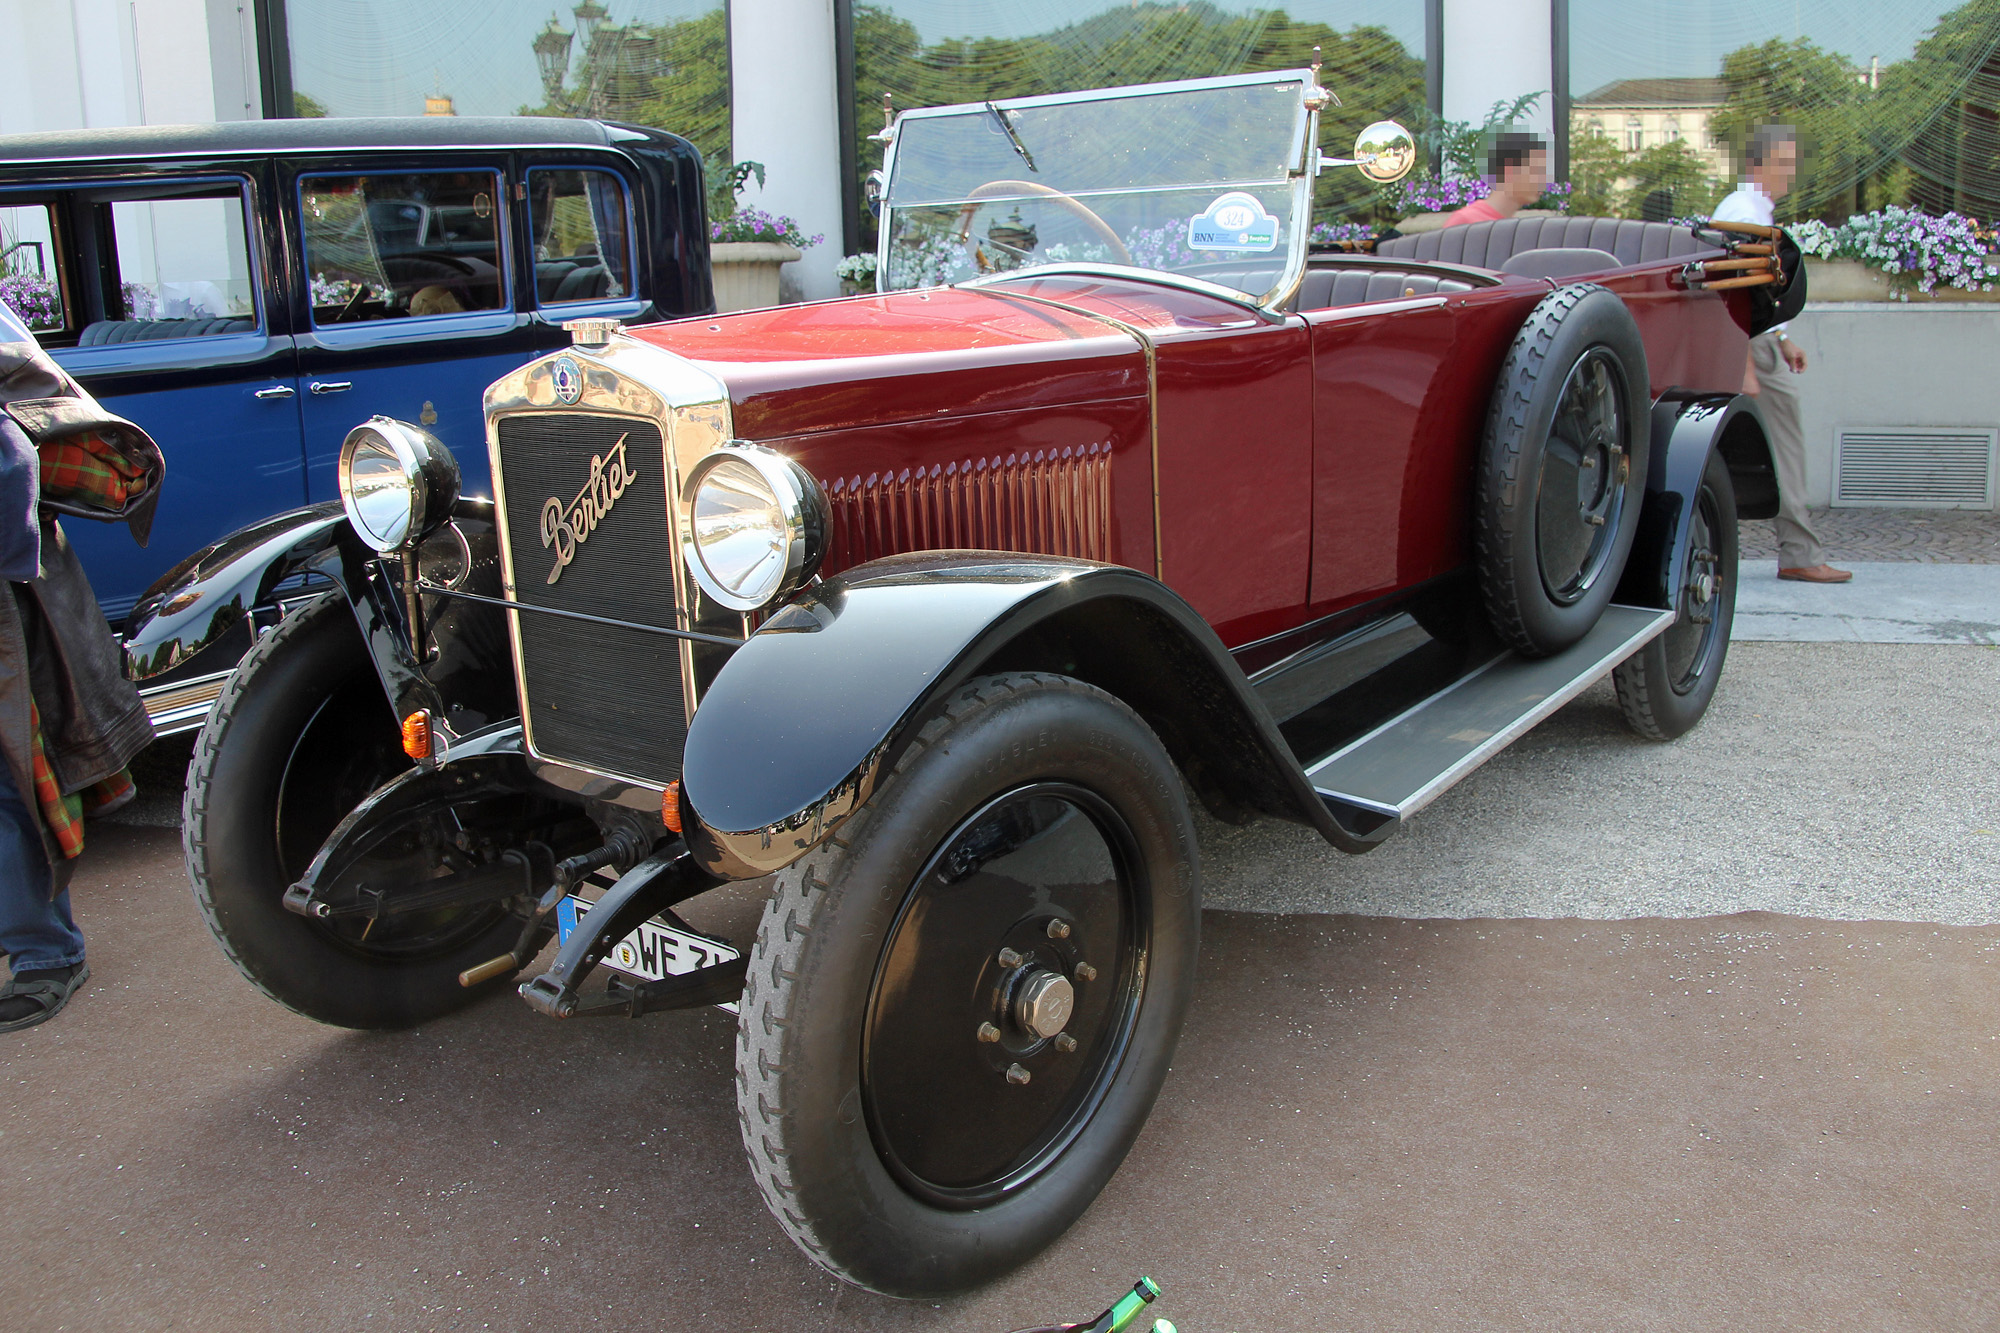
point(746, 272)
point(1891, 364)
point(1851, 280)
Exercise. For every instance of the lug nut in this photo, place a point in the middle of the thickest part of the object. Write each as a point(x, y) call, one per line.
point(987, 1032)
point(1065, 1043)
point(1017, 1075)
point(1008, 958)
point(1085, 972)
point(1058, 929)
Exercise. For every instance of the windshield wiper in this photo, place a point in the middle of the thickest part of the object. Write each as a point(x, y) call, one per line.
point(1012, 137)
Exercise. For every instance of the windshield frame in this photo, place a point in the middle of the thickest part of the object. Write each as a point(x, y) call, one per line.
point(1300, 177)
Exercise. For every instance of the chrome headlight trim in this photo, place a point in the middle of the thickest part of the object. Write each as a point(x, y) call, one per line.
point(398, 483)
point(798, 539)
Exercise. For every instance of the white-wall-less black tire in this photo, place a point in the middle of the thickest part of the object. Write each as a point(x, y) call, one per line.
point(299, 735)
point(1665, 687)
point(916, 1124)
point(1562, 468)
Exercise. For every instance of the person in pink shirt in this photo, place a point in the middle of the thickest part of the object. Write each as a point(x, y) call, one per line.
point(1518, 168)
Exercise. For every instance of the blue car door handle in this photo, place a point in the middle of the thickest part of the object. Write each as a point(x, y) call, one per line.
point(276, 391)
point(332, 386)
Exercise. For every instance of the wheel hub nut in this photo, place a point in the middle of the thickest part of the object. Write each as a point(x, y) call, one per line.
point(1044, 1003)
point(1017, 1075)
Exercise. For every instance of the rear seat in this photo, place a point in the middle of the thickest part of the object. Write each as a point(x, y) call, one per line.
point(109, 332)
point(558, 280)
point(1327, 287)
point(1492, 244)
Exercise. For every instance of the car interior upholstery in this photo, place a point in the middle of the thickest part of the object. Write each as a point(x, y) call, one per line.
point(110, 332)
point(1492, 244)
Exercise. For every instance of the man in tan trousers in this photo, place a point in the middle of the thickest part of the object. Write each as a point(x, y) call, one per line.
point(1771, 161)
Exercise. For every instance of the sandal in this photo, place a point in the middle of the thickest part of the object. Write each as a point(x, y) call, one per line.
point(51, 995)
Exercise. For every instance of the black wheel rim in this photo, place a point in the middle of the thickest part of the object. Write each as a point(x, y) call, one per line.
point(349, 748)
point(1696, 637)
point(966, 1100)
point(1580, 494)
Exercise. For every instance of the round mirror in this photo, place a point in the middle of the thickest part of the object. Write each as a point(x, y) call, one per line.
point(1385, 152)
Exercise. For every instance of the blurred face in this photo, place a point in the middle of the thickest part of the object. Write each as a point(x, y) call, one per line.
point(1778, 170)
point(1526, 181)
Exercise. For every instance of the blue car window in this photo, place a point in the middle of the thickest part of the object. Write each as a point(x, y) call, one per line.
point(402, 246)
point(30, 278)
point(183, 267)
point(583, 236)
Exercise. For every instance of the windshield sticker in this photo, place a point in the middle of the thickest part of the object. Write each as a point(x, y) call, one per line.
point(1236, 221)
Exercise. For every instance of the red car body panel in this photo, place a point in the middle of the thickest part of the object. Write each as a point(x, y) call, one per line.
point(1271, 470)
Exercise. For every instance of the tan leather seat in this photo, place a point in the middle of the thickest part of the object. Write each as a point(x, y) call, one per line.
point(1492, 244)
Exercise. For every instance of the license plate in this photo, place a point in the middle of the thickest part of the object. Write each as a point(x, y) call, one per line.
point(653, 951)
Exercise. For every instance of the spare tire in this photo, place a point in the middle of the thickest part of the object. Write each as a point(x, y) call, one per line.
point(1561, 469)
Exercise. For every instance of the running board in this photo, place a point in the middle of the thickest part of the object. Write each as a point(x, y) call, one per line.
point(1409, 761)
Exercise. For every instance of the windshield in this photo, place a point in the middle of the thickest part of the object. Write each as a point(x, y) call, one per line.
point(1203, 179)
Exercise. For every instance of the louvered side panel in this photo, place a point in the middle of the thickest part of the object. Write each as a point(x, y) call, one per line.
point(1055, 502)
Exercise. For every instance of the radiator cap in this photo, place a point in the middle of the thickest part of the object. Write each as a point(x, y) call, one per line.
point(590, 332)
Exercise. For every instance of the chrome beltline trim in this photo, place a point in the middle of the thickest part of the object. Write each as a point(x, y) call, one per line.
point(624, 379)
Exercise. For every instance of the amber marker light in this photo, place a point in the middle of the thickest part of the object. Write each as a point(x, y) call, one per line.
point(670, 806)
point(417, 735)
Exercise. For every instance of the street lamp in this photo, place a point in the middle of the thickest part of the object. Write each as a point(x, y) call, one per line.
point(588, 15)
point(552, 56)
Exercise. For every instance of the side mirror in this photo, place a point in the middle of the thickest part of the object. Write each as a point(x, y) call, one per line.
point(1384, 152)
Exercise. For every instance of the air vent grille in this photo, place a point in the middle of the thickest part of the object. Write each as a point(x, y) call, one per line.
point(1914, 468)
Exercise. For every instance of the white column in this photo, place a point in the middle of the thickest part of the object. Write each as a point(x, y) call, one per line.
point(785, 113)
point(1495, 50)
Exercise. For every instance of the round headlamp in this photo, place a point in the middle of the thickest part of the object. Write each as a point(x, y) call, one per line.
point(397, 482)
point(757, 524)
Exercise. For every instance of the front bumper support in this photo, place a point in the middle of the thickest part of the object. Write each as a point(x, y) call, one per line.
point(667, 877)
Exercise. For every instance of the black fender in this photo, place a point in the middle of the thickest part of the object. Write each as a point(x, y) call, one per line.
point(1686, 430)
point(798, 726)
point(213, 594)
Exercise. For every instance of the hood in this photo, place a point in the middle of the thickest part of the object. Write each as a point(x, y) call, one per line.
point(906, 356)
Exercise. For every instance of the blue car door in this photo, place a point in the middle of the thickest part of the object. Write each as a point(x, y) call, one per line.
point(411, 304)
point(173, 327)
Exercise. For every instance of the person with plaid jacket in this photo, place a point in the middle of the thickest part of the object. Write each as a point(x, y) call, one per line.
point(70, 723)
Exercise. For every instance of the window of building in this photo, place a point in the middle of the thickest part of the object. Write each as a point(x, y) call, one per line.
point(649, 62)
point(401, 246)
point(1892, 104)
point(1671, 130)
point(1635, 134)
point(583, 247)
point(31, 281)
point(938, 52)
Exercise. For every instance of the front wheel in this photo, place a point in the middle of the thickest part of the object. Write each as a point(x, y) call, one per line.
point(300, 735)
point(1665, 687)
point(960, 1009)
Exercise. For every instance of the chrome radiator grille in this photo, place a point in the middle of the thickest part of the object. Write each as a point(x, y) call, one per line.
point(596, 696)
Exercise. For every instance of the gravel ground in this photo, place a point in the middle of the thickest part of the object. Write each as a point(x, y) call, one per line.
point(1840, 781)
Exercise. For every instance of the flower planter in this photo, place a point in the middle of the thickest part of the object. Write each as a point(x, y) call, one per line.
point(746, 272)
point(1852, 280)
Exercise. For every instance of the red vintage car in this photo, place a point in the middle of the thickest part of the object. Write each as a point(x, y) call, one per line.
point(932, 610)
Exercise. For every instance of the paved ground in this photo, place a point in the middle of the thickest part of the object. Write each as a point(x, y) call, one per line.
point(1888, 602)
point(1381, 1118)
point(1934, 536)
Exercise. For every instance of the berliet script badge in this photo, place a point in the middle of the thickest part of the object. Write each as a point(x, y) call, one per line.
point(567, 526)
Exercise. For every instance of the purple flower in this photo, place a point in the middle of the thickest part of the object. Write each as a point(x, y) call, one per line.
point(34, 298)
point(754, 224)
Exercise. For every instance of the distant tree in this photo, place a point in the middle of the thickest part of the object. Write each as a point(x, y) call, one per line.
point(1675, 168)
point(1597, 168)
point(307, 107)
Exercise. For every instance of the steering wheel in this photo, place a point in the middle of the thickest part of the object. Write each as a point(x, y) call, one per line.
point(1076, 207)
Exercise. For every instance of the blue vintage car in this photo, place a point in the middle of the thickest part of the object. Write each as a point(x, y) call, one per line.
point(249, 291)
